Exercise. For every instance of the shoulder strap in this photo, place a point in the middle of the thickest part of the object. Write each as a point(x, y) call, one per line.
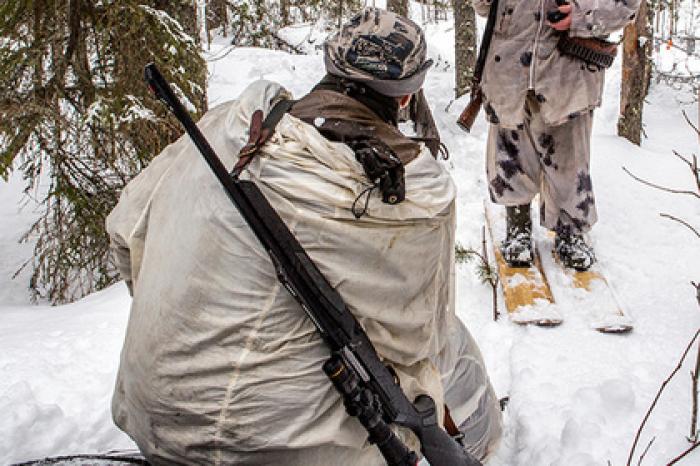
point(260, 131)
point(276, 114)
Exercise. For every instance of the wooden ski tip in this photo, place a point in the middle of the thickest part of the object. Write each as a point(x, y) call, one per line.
point(616, 329)
point(525, 316)
point(545, 322)
point(548, 323)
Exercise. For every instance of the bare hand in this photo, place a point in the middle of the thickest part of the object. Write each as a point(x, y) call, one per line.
point(565, 23)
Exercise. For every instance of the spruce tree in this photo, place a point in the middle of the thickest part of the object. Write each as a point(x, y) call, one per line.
point(76, 118)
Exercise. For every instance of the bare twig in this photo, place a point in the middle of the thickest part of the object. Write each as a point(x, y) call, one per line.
point(447, 109)
point(493, 278)
point(685, 115)
point(484, 270)
point(658, 395)
point(688, 162)
point(697, 291)
point(693, 167)
point(682, 222)
point(694, 413)
point(644, 453)
point(682, 455)
point(662, 188)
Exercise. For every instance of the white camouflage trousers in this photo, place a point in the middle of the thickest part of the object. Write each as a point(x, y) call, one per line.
point(550, 160)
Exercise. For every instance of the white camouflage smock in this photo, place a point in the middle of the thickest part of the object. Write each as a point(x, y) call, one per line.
point(220, 364)
point(523, 57)
point(540, 103)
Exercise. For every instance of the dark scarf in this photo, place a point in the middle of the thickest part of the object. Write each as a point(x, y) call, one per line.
point(386, 108)
point(344, 111)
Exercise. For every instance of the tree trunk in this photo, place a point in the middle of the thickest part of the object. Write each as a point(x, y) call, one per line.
point(398, 6)
point(284, 12)
point(465, 45)
point(636, 73)
point(200, 7)
point(340, 14)
point(217, 15)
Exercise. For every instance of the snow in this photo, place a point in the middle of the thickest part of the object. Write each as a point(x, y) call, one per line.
point(137, 111)
point(305, 37)
point(577, 396)
point(16, 216)
point(59, 366)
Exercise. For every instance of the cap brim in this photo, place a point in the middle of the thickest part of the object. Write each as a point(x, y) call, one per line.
point(389, 87)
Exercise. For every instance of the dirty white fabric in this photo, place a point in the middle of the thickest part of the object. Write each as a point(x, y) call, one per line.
point(553, 161)
point(220, 365)
point(523, 57)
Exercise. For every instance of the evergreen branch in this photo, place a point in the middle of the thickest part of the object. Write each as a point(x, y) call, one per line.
point(64, 60)
point(463, 254)
point(484, 271)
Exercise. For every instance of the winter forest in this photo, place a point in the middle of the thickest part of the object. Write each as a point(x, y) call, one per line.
point(78, 123)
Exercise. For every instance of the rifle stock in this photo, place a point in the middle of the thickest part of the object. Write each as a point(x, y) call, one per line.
point(468, 116)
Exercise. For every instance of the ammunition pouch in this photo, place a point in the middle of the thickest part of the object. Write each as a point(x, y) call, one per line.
point(595, 52)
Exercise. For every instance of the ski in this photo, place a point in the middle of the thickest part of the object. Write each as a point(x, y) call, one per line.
point(527, 295)
point(591, 291)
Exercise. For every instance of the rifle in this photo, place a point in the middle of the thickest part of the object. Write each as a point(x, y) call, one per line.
point(368, 388)
point(468, 115)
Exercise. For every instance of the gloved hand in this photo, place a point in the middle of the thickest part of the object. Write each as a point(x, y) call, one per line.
point(560, 19)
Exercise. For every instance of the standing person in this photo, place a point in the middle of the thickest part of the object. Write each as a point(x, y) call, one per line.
point(540, 104)
point(220, 364)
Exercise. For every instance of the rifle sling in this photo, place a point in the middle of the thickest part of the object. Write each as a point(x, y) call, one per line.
point(485, 44)
point(260, 132)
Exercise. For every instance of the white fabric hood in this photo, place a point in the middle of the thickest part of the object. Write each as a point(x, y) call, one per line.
point(220, 365)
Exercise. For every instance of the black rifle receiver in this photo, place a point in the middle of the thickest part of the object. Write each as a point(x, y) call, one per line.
point(369, 389)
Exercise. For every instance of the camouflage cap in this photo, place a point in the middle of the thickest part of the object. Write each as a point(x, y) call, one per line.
point(381, 49)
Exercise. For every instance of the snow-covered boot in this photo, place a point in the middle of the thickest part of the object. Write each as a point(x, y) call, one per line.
point(517, 247)
point(573, 251)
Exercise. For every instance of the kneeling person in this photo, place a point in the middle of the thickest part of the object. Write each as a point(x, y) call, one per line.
point(220, 364)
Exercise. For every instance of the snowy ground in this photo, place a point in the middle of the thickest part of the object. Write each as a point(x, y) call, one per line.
point(577, 396)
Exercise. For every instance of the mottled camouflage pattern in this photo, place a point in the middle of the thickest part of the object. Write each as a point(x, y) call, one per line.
point(523, 56)
point(550, 160)
point(382, 49)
